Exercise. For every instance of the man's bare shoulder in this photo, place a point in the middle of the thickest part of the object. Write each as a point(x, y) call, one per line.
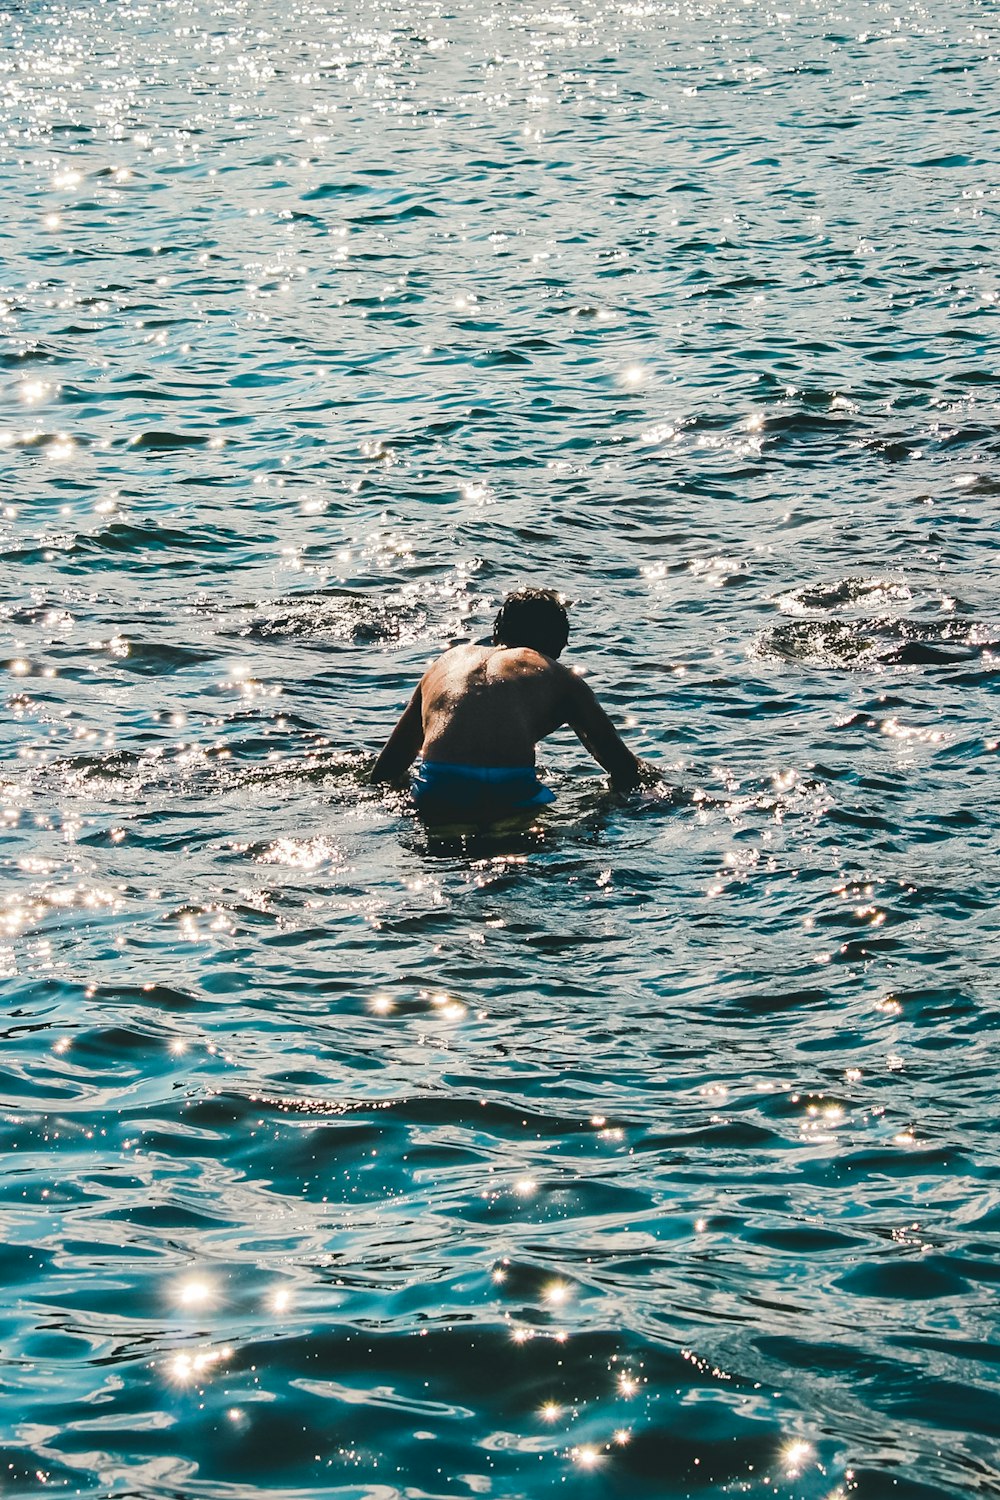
point(461, 668)
point(459, 658)
point(572, 679)
point(525, 661)
point(500, 661)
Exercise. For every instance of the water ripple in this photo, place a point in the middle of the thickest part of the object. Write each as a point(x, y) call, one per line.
point(647, 1151)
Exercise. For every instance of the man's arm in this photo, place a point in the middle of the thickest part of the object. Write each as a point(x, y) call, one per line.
point(587, 719)
point(403, 744)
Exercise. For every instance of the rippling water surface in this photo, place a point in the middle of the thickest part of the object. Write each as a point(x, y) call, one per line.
point(652, 1152)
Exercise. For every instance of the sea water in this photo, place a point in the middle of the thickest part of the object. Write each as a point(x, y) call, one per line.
point(646, 1152)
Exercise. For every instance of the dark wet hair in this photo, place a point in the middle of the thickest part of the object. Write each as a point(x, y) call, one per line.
point(535, 618)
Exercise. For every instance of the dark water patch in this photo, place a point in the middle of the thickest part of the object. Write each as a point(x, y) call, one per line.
point(794, 426)
point(164, 442)
point(904, 1279)
point(767, 1003)
point(151, 994)
point(488, 1116)
point(741, 1134)
point(929, 1160)
point(804, 1240)
point(114, 1044)
point(906, 1488)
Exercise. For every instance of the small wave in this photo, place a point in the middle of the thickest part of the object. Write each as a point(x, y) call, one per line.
point(13, 359)
point(395, 216)
point(340, 614)
point(337, 190)
point(844, 594)
point(124, 540)
point(494, 357)
point(864, 644)
point(160, 657)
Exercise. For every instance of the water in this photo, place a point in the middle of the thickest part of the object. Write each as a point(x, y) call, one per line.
point(650, 1153)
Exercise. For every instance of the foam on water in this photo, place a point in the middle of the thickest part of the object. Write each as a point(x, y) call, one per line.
point(646, 1151)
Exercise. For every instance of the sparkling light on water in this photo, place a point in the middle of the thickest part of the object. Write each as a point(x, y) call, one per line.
point(197, 1292)
point(324, 327)
point(794, 1457)
point(587, 1456)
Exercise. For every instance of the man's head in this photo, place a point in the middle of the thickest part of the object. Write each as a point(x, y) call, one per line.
point(535, 618)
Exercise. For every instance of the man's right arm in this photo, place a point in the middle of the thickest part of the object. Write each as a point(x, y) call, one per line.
point(403, 745)
point(587, 719)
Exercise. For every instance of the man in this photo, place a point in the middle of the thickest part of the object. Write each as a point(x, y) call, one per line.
point(479, 711)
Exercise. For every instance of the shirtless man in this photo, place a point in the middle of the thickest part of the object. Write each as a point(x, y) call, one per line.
point(479, 711)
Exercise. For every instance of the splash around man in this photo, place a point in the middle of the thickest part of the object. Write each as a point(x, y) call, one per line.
point(479, 711)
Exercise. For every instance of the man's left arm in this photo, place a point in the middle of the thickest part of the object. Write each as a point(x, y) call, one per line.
point(403, 745)
point(587, 719)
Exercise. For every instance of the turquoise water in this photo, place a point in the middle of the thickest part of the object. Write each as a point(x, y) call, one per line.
point(651, 1152)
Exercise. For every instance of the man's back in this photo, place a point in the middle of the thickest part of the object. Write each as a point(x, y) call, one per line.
point(490, 705)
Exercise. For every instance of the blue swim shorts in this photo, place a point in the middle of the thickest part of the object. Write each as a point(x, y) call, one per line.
point(476, 793)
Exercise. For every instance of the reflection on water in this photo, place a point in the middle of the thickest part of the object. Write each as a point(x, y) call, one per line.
point(644, 1150)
